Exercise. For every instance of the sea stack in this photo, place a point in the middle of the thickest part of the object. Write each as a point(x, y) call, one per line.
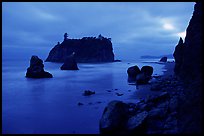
point(87, 49)
point(36, 69)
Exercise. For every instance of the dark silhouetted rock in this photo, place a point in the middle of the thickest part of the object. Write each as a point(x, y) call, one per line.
point(189, 59)
point(87, 49)
point(88, 92)
point(163, 59)
point(178, 56)
point(70, 63)
point(133, 72)
point(142, 78)
point(192, 56)
point(117, 60)
point(137, 124)
point(189, 66)
point(147, 70)
point(191, 72)
point(145, 75)
point(36, 69)
point(114, 118)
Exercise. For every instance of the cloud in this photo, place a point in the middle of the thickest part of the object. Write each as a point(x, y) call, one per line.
point(141, 24)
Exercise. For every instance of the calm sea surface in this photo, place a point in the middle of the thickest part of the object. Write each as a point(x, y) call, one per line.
point(51, 105)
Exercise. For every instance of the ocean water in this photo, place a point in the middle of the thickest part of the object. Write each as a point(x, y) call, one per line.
point(39, 106)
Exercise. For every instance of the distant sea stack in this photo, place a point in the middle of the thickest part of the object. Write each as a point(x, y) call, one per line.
point(188, 55)
point(87, 49)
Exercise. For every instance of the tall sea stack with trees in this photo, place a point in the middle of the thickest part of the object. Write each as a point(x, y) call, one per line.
point(87, 50)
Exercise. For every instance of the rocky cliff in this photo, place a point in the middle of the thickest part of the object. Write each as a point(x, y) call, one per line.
point(188, 55)
point(87, 49)
point(189, 65)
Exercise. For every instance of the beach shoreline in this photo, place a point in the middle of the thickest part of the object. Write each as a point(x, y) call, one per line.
point(159, 100)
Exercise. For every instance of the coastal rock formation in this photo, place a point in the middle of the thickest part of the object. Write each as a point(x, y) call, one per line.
point(70, 63)
point(189, 70)
point(178, 56)
point(133, 71)
point(145, 75)
point(147, 70)
point(150, 116)
point(87, 49)
point(36, 69)
point(163, 59)
point(188, 57)
point(114, 118)
point(140, 76)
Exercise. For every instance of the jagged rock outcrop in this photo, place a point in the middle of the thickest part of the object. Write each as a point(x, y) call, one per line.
point(188, 56)
point(70, 63)
point(178, 56)
point(36, 69)
point(87, 49)
point(189, 68)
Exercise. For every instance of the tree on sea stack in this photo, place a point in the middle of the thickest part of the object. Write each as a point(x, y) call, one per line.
point(65, 36)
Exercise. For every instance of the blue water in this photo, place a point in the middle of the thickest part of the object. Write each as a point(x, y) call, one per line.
point(51, 105)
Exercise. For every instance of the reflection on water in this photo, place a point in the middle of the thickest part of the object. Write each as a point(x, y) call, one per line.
point(51, 105)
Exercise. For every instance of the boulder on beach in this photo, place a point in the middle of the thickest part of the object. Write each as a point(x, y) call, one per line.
point(145, 75)
point(142, 78)
point(36, 69)
point(147, 70)
point(137, 123)
point(163, 59)
point(133, 72)
point(70, 63)
point(114, 118)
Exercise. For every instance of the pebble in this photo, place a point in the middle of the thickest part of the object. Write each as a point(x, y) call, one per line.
point(119, 94)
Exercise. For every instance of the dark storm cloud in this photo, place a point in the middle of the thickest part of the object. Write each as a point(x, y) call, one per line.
point(136, 25)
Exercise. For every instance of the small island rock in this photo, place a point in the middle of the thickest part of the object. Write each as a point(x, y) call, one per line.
point(36, 69)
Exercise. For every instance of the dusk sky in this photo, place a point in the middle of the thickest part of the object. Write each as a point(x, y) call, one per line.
point(136, 28)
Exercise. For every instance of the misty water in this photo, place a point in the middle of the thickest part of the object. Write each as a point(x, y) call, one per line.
point(51, 105)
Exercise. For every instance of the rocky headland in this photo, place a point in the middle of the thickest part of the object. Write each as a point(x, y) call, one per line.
point(87, 49)
point(176, 108)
